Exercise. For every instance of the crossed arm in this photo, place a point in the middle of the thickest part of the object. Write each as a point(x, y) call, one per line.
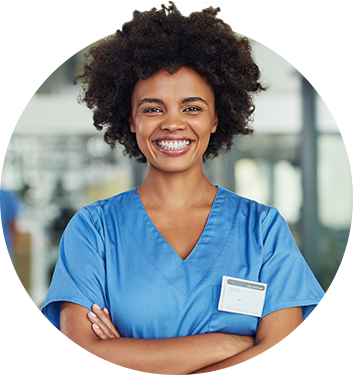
point(180, 355)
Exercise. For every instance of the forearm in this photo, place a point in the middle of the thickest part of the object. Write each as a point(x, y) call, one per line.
point(168, 356)
point(258, 360)
point(276, 351)
point(181, 355)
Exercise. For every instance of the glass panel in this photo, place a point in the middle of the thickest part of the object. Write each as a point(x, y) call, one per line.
point(334, 183)
point(287, 190)
point(252, 180)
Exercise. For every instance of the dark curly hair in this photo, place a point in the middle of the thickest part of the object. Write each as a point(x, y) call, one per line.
point(165, 39)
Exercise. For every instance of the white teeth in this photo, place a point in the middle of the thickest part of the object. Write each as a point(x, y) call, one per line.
point(175, 145)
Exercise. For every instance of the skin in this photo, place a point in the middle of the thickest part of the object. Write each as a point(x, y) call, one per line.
point(175, 184)
point(179, 355)
point(178, 198)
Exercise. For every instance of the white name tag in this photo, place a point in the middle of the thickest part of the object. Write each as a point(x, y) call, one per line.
point(242, 296)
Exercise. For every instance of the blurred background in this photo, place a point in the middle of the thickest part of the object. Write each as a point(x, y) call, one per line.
point(296, 160)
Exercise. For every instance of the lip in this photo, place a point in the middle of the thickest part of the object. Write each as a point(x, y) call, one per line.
point(173, 138)
point(173, 152)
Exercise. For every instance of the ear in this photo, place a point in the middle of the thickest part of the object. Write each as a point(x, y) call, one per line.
point(132, 125)
point(214, 123)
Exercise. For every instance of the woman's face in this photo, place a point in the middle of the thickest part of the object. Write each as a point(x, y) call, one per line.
point(173, 116)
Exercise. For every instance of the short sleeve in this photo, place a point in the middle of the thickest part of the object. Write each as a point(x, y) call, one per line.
point(79, 275)
point(290, 281)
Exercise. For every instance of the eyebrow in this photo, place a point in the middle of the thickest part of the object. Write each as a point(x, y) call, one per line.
point(194, 99)
point(186, 100)
point(150, 100)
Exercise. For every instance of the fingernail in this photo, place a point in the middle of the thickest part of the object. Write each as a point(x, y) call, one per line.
point(98, 307)
point(106, 311)
point(96, 326)
point(92, 314)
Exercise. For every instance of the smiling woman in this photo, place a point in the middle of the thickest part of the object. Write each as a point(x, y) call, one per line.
point(178, 121)
point(140, 275)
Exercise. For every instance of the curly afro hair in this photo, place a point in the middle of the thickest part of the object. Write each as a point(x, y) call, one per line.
point(165, 39)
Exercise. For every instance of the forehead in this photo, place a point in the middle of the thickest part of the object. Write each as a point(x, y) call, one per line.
point(185, 82)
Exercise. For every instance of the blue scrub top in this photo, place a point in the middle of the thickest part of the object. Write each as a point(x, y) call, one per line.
point(112, 254)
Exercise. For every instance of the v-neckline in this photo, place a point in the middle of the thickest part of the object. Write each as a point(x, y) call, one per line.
point(205, 229)
point(183, 274)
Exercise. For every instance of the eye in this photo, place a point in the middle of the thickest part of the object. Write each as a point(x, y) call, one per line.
point(192, 109)
point(152, 110)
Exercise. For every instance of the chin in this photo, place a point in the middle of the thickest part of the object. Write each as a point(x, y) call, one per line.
point(174, 167)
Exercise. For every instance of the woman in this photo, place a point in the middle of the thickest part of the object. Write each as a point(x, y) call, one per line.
point(139, 277)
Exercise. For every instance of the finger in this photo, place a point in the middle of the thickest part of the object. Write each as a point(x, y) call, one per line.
point(106, 319)
point(99, 332)
point(106, 311)
point(111, 326)
point(104, 331)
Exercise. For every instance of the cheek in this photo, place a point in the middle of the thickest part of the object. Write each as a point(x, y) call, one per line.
point(139, 140)
point(142, 137)
point(203, 131)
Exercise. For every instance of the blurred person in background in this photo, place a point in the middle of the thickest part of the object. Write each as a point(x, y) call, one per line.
point(139, 277)
point(9, 207)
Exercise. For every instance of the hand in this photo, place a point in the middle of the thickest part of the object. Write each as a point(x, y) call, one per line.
point(102, 324)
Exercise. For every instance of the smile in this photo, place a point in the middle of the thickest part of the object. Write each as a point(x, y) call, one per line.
point(174, 145)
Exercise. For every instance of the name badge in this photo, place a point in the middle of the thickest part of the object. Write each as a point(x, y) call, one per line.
point(242, 296)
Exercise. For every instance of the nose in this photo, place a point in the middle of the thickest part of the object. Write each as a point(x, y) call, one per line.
point(173, 122)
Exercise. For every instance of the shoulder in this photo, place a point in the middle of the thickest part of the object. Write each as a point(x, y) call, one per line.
point(245, 206)
point(92, 224)
point(258, 219)
point(112, 205)
point(102, 212)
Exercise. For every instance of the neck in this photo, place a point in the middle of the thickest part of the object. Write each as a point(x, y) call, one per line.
point(175, 189)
